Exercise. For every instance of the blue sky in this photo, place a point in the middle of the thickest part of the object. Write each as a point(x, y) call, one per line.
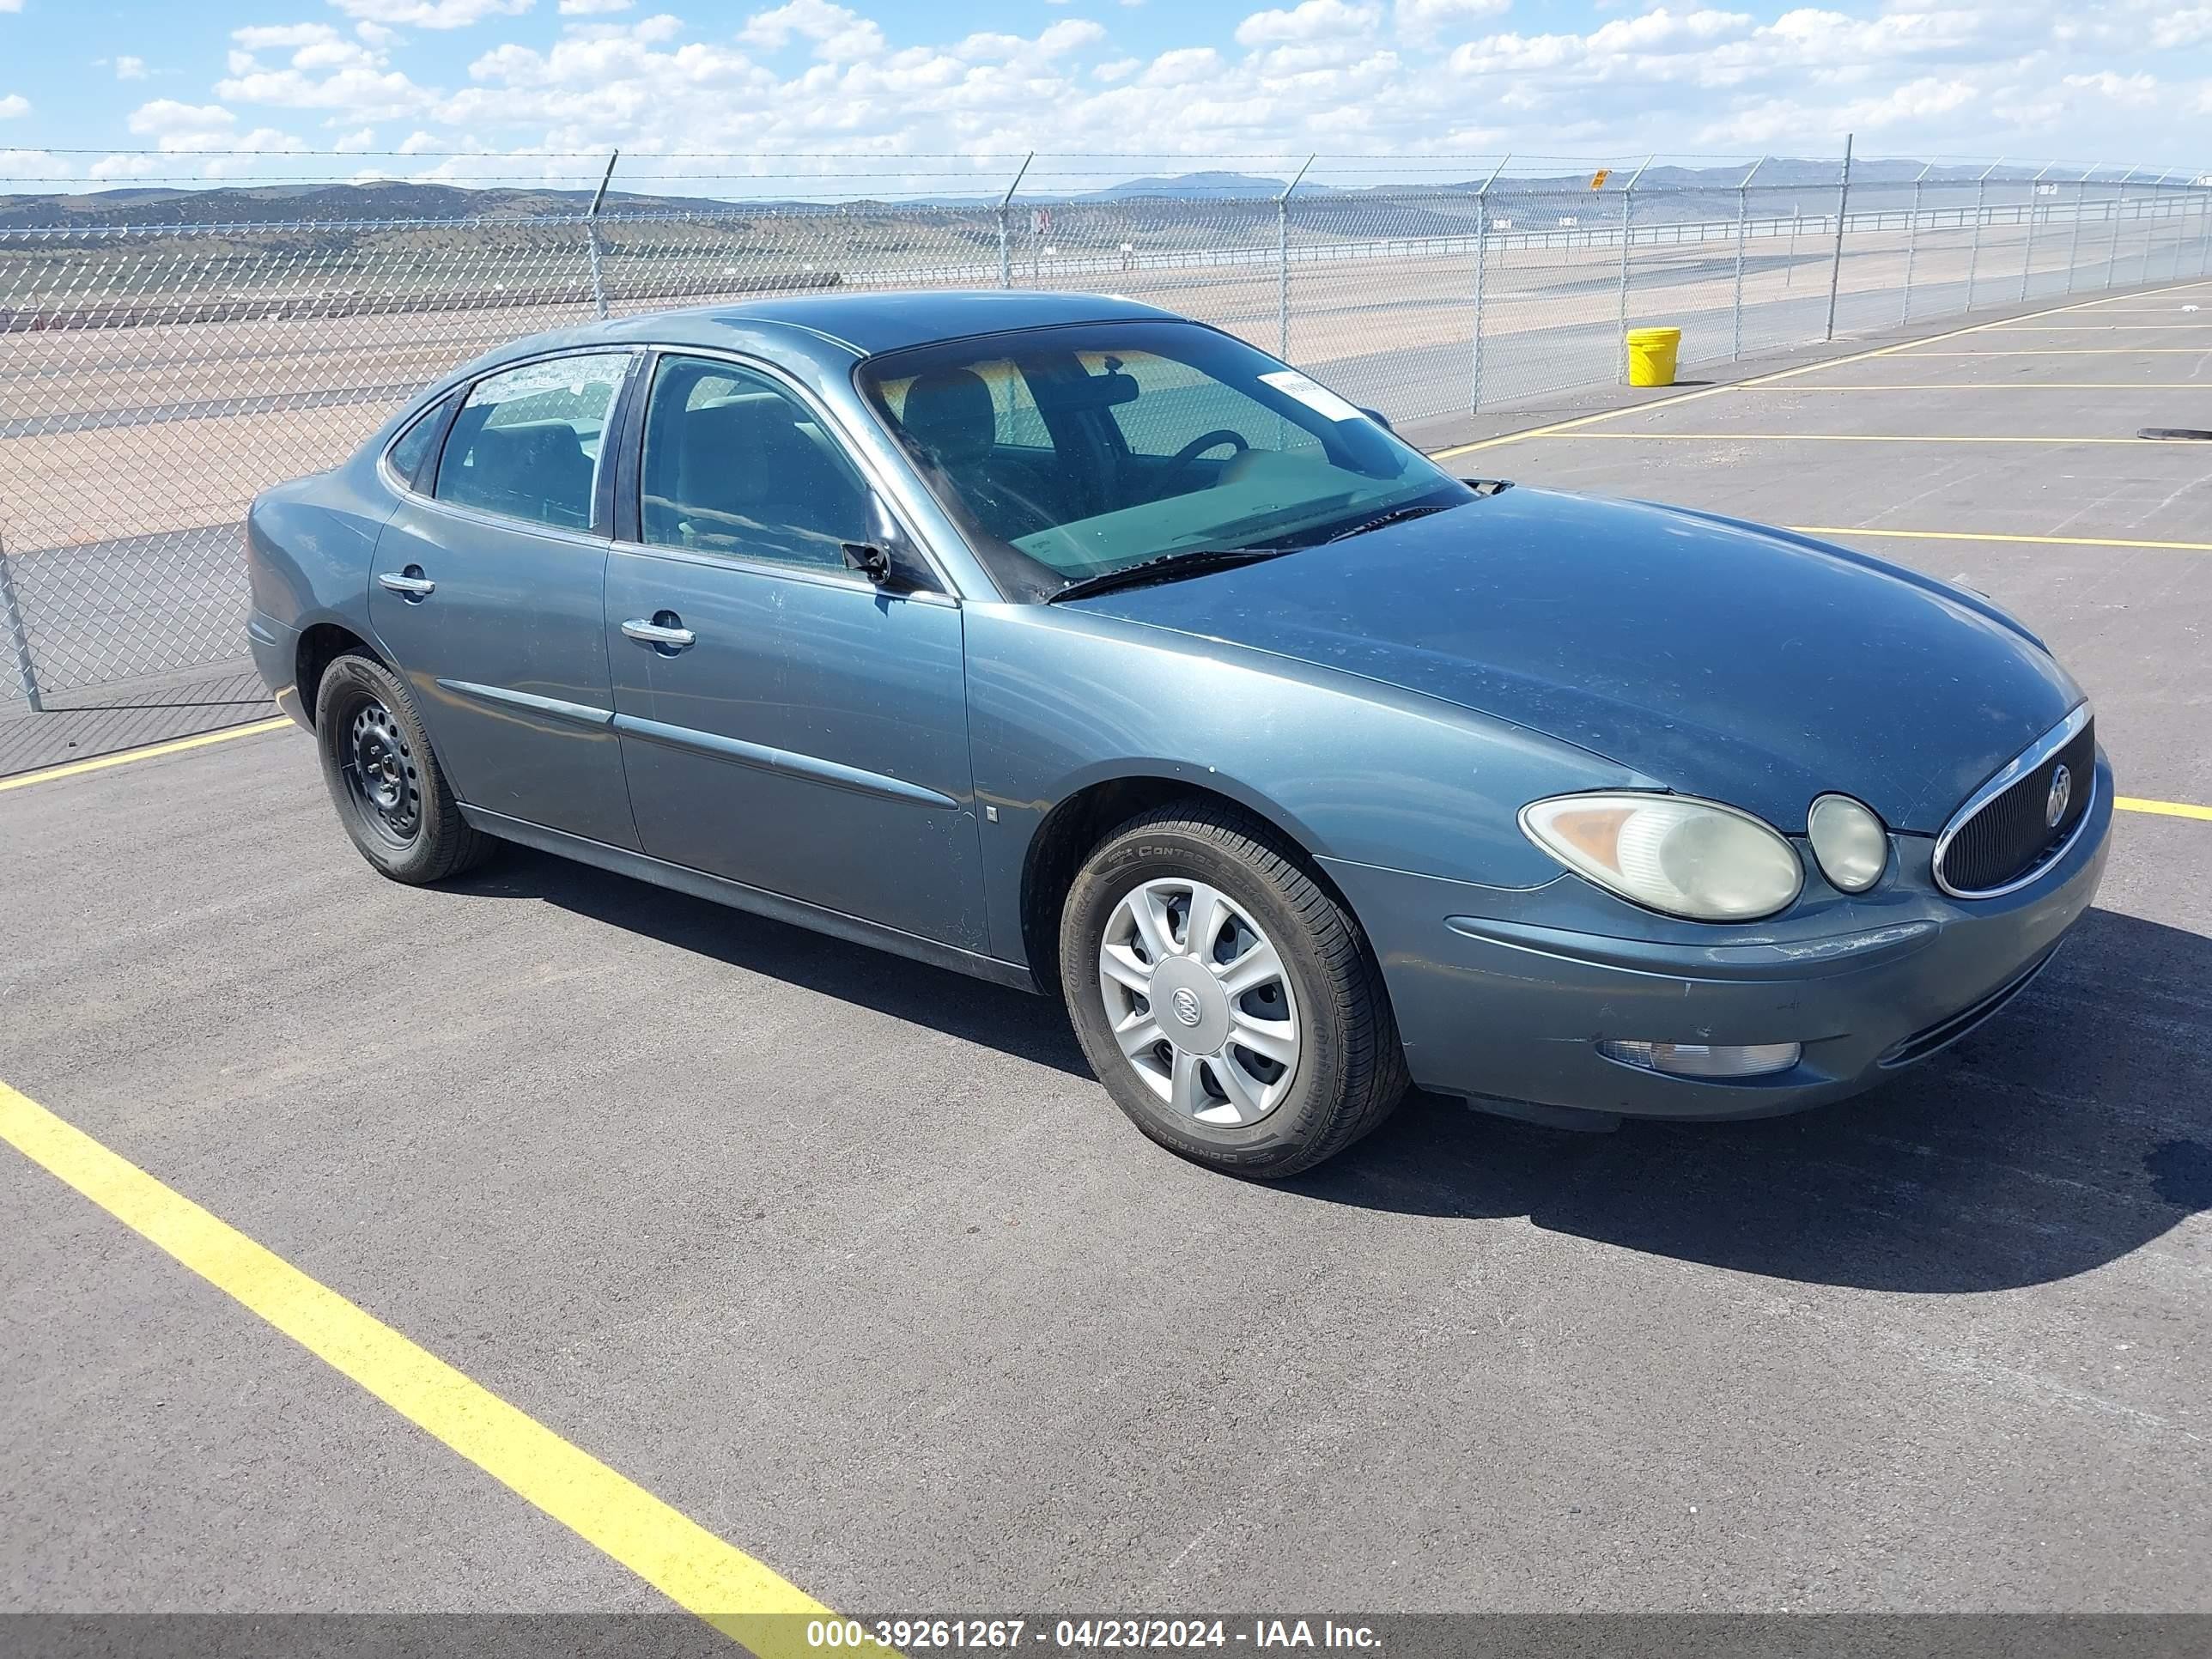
point(121, 93)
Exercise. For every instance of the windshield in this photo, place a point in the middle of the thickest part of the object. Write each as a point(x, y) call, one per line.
point(1068, 453)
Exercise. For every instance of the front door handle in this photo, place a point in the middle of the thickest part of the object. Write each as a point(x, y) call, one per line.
point(666, 633)
point(410, 582)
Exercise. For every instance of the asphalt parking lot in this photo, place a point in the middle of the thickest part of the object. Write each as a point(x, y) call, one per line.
point(848, 1261)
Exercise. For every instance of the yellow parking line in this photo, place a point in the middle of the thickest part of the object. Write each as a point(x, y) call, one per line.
point(2009, 386)
point(2171, 809)
point(1582, 421)
point(1991, 536)
point(741, 1597)
point(151, 752)
point(1837, 438)
point(2086, 351)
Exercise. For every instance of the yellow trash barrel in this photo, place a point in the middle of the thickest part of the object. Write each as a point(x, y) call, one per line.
point(1651, 356)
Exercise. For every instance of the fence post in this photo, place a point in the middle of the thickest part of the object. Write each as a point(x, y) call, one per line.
point(2112, 242)
point(1283, 264)
point(2158, 212)
point(591, 229)
point(2205, 240)
point(1796, 223)
point(1481, 253)
point(26, 671)
point(1627, 226)
point(1974, 244)
point(1843, 205)
point(2027, 259)
point(2080, 212)
point(1742, 221)
point(1006, 242)
point(1912, 244)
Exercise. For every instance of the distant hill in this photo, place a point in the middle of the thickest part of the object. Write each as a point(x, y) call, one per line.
point(325, 203)
point(1674, 192)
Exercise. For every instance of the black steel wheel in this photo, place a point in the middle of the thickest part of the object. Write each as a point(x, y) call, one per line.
point(384, 779)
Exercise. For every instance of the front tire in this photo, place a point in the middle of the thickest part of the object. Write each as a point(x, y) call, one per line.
point(386, 785)
point(1226, 999)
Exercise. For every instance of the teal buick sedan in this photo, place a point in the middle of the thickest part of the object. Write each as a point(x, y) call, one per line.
point(1058, 640)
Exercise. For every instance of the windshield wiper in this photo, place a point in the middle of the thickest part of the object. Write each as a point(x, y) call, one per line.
point(1167, 567)
point(1395, 515)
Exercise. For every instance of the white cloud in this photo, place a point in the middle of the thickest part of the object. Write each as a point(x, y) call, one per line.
point(283, 36)
point(1309, 20)
point(14, 105)
point(130, 69)
point(2187, 27)
point(1397, 78)
point(175, 126)
point(840, 35)
point(352, 142)
point(431, 14)
point(122, 166)
point(2139, 88)
point(1423, 19)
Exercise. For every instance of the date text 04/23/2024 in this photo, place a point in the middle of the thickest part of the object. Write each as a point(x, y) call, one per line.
point(1106, 1634)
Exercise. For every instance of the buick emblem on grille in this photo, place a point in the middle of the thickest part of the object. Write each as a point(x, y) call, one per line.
point(1186, 1006)
point(2061, 790)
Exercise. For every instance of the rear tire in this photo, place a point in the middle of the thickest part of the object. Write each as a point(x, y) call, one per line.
point(390, 794)
point(1226, 999)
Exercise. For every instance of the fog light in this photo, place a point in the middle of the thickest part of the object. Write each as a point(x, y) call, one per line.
point(1705, 1058)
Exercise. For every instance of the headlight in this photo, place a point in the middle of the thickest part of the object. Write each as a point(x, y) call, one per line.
point(1848, 841)
point(1684, 858)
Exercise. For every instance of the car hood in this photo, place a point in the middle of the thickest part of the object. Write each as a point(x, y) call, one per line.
point(1720, 659)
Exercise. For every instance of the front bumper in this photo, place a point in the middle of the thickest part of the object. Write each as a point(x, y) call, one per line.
point(1506, 993)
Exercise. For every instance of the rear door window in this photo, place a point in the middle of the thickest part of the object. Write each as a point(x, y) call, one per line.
point(528, 442)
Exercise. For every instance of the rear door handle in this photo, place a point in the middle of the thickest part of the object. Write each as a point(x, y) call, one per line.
point(411, 582)
point(662, 635)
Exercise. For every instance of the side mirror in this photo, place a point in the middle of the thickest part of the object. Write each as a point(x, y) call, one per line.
point(1379, 418)
point(870, 561)
point(888, 557)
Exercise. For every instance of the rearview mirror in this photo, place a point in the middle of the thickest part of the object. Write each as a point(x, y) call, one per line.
point(1379, 418)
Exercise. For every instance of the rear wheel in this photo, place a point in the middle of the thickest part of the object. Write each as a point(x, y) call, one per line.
point(1225, 998)
point(383, 779)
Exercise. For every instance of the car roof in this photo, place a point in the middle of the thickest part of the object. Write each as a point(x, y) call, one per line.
point(863, 323)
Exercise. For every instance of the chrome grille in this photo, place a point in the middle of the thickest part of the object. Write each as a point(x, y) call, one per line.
point(2006, 832)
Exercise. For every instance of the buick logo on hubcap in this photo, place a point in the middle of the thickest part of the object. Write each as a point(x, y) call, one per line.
point(2061, 790)
point(1187, 1010)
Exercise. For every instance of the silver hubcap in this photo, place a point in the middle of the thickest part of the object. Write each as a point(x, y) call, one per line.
point(1199, 1001)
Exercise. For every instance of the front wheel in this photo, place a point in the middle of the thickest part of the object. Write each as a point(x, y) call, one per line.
point(1227, 1001)
point(386, 783)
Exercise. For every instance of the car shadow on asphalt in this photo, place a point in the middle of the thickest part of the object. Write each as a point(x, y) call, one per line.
point(2074, 1128)
point(996, 1016)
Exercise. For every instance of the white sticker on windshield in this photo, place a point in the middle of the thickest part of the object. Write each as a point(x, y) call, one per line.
point(1312, 394)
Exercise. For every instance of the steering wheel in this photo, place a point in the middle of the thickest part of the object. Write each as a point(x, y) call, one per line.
point(1190, 452)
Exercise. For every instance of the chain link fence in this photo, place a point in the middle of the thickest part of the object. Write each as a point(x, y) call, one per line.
point(156, 377)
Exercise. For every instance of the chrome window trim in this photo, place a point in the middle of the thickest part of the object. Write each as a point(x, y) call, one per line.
point(467, 389)
point(854, 455)
point(2011, 772)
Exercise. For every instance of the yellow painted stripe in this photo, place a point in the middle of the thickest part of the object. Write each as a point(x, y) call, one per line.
point(1990, 536)
point(1839, 438)
point(151, 752)
point(2204, 351)
point(2005, 386)
point(736, 1594)
point(2171, 809)
point(1582, 420)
